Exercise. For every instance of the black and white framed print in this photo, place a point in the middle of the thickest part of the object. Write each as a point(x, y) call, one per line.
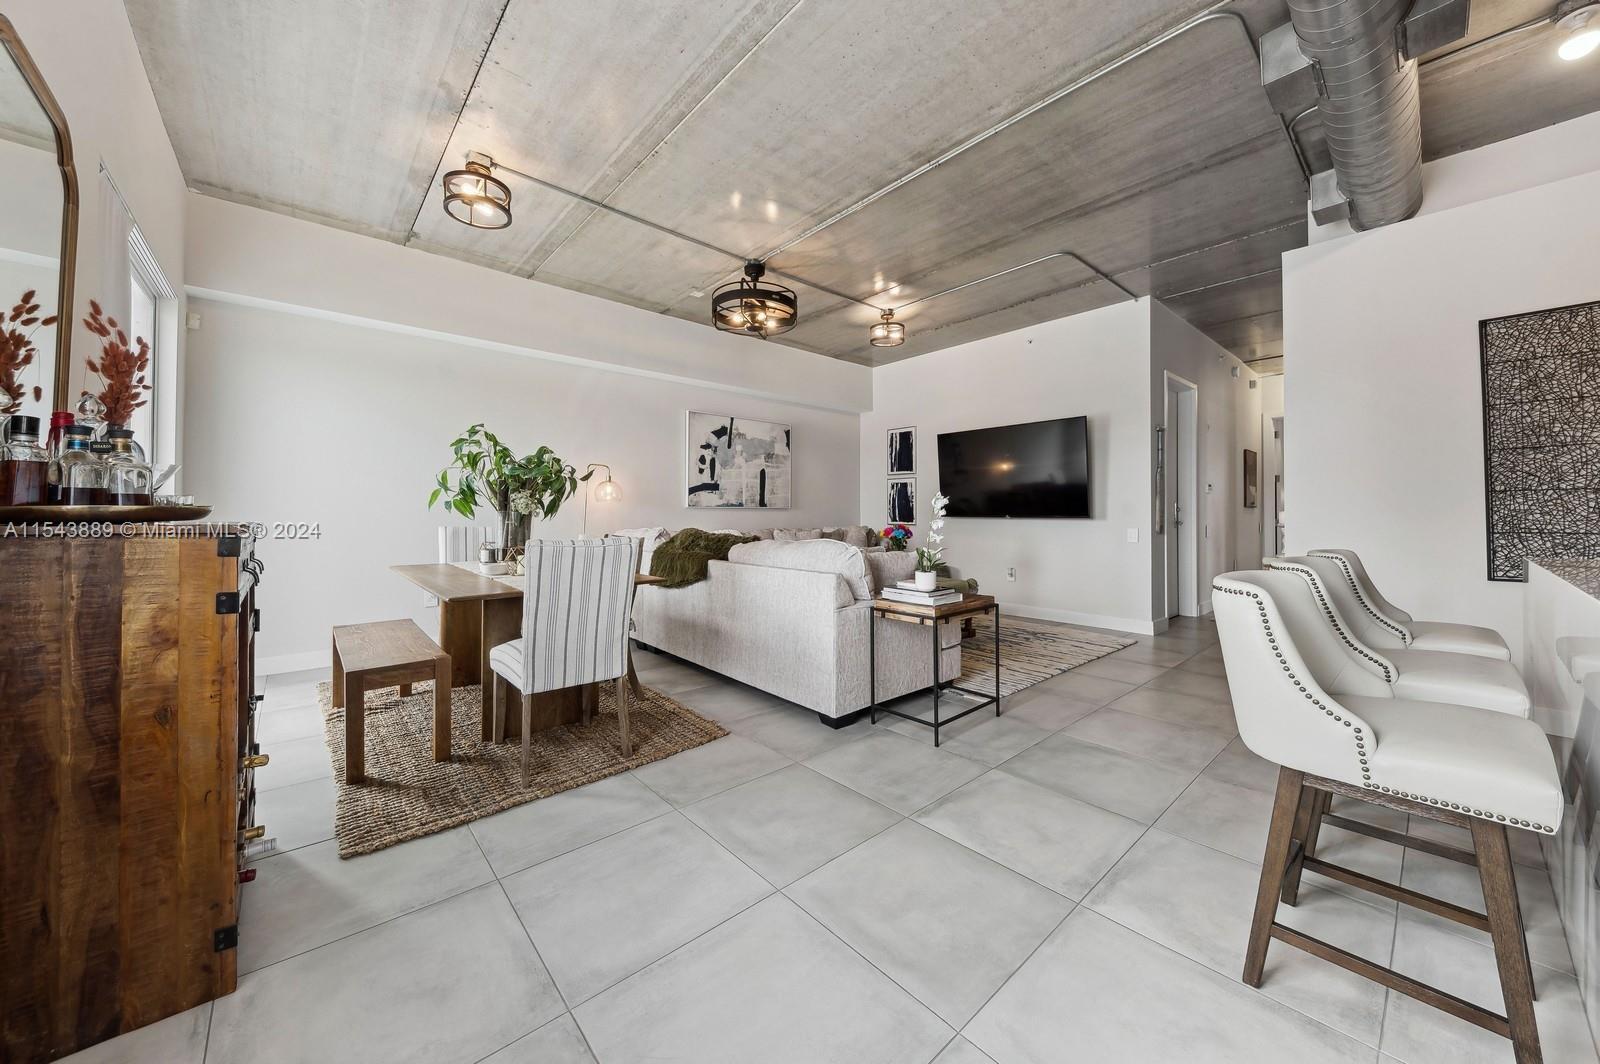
point(1541, 432)
point(902, 452)
point(737, 462)
point(902, 501)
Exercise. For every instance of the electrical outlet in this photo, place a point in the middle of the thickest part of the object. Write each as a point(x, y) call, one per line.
point(1133, 535)
point(1011, 573)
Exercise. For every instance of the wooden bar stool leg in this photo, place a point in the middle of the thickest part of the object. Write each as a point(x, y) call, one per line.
point(527, 739)
point(441, 708)
point(497, 729)
point(622, 716)
point(405, 690)
point(1505, 928)
point(355, 730)
point(1289, 888)
point(1280, 837)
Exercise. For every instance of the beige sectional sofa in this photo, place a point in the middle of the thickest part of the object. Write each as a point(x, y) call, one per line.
point(790, 617)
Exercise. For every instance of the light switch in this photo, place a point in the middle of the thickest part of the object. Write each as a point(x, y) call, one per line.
point(1133, 535)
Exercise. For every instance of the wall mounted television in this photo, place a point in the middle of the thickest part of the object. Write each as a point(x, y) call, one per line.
point(1040, 469)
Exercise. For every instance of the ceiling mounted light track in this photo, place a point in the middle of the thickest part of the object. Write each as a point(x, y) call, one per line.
point(754, 307)
point(475, 197)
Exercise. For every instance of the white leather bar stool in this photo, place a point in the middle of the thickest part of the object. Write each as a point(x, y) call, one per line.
point(1299, 706)
point(1392, 626)
point(1421, 675)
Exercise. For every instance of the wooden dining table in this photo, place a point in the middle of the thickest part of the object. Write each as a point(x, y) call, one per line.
point(476, 614)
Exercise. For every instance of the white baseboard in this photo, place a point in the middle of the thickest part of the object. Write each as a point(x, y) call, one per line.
point(1134, 625)
point(310, 659)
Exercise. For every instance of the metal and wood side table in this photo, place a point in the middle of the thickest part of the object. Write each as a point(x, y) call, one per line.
point(934, 617)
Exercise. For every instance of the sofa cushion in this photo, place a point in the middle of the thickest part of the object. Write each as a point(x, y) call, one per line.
point(649, 539)
point(817, 556)
point(860, 536)
point(888, 568)
point(795, 535)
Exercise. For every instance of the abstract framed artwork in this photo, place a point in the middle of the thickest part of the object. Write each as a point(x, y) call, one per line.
point(902, 452)
point(1252, 479)
point(737, 462)
point(902, 501)
point(1541, 437)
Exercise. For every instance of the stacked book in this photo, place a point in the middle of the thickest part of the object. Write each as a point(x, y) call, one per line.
point(906, 591)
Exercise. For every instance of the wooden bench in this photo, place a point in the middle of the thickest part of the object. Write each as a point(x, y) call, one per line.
point(386, 654)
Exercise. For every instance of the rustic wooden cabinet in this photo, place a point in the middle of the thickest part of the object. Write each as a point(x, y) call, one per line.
point(126, 776)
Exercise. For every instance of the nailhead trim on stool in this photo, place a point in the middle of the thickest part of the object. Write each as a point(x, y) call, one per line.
point(1333, 618)
point(1360, 739)
point(1355, 586)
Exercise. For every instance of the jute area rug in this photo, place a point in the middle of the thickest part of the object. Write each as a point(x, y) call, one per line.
point(408, 795)
point(1030, 652)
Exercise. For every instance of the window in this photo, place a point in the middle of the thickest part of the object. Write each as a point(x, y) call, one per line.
point(142, 322)
point(152, 314)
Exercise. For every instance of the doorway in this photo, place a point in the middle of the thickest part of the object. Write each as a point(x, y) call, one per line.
point(1179, 516)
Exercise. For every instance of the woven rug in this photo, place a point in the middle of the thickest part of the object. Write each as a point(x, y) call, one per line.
point(408, 794)
point(1030, 652)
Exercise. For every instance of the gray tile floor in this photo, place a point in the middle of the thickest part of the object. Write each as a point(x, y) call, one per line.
point(1071, 881)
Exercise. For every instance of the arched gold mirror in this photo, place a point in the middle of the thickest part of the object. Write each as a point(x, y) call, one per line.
point(38, 236)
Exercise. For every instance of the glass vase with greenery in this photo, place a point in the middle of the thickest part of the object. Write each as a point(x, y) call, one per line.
point(483, 471)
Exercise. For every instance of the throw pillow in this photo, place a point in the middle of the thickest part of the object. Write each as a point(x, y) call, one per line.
point(792, 535)
point(888, 568)
point(859, 536)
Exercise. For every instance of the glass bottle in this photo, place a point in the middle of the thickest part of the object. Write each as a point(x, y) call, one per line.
point(127, 475)
point(83, 474)
point(24, 465)
point(59, 422)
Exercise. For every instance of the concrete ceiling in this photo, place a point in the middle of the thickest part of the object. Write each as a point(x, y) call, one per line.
point(745, 123)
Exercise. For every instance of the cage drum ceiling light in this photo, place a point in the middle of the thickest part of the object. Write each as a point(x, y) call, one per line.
point(887, 333)
point(474, 197)
point(1582, 23)
point(753, 306)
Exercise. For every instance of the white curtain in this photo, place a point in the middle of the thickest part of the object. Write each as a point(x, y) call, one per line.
point(113, 281)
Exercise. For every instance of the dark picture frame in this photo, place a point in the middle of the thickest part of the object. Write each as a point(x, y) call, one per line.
point(903, 452)
point(902, 501)
point(1252, 479)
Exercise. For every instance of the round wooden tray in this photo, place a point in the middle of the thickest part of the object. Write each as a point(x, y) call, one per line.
point(56, 514)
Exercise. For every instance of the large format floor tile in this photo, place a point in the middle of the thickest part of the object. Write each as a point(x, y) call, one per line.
point(771, 985)
point(294, 761)
point(961, 1051)
point(1122, 783)
point(1190, 682)
point(1065, 844)
point(601, 913)
point(557, 1042)
point(1420, 1034)
point(1175, 707)
point(1459, 883)
point(895, 771)
point(790, 822)
point(308, 897)
point(701, 772)
point(448, 984)
point(538, 831)
point(298, 815)
point(1099, 992)
point(1156, 740)
point(179, 1039)
point(945, 923)
point(796, 732)
point(1116, 667)
point(1086, 687)
point(1046, 709)
point(1199, 902)
point(982, 737)
point(1222, 816)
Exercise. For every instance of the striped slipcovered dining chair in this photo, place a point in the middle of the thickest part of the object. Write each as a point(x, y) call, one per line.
point(575, 614)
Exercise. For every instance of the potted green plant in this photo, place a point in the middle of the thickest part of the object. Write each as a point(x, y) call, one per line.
point(931, 557)
point(487, 472)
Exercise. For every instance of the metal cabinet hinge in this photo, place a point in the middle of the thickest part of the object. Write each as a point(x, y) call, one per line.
point(229, 546)
point(227, 602)
point(225, 938)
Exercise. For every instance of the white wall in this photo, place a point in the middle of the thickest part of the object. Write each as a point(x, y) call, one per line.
point(1095, 364)
point(87, 54)
point(1228, 535)
point(1383, 393)
point(298, 413)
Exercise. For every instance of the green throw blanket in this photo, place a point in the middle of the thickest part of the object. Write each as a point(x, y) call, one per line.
point(681, 560)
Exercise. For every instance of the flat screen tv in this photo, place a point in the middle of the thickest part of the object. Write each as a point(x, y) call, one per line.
point(1040, 469)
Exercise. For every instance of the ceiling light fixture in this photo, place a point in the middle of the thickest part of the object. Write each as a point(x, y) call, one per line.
point(474, 197)
point(1582, 26)
point(753, 306)
point(888, 332)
